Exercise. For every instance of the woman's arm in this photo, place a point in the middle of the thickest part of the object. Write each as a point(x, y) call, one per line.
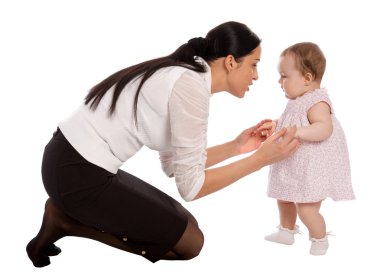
point(249, 140)
point(320, 124)
point(272, 150)
point(219, 153)
point(188, 115)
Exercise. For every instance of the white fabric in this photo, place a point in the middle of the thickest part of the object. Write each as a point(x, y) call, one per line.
point(319, 246)
point(172, 116)
point(283, 235)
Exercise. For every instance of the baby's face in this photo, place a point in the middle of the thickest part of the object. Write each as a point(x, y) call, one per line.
point(291, 80)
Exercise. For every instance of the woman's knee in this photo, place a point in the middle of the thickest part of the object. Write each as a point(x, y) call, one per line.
point(190, 244)
point(198, 243)
point(196, 247)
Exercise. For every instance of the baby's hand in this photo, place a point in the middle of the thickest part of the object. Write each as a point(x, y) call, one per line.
point(296, 135)
point(266, 129)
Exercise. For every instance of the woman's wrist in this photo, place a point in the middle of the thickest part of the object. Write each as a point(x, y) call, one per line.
point(257, 161)
point(234, 148)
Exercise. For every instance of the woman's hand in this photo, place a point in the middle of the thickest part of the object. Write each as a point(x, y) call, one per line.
point(278, 146)
point(250, 139)
point(275, 148)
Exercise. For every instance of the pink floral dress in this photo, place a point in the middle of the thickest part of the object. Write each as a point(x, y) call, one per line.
point(317, 170)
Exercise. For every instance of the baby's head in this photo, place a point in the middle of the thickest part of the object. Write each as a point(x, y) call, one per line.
point(301, 69)
point(309, 58)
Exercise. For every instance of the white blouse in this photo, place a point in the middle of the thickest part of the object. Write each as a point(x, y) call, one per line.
point(172, 118)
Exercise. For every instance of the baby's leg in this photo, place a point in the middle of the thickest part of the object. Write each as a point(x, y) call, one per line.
point(287, 228)
point(313, 220)
point(287, 213)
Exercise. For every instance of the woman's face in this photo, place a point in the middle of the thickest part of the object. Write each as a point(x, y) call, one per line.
point(243, 73)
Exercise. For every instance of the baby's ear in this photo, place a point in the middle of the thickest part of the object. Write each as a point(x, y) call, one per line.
point(308, 77)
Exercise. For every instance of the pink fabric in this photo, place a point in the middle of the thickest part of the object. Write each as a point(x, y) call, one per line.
point(317, 170)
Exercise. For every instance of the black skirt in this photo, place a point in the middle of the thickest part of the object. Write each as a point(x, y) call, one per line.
point(121, 204)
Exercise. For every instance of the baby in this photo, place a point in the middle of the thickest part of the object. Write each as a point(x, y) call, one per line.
point(320, 168)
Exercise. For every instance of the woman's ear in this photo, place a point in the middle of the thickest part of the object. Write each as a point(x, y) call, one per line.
point(229, 63)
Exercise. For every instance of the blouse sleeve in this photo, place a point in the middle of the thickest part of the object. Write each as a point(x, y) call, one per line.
point(166, 159)
point(188, 113)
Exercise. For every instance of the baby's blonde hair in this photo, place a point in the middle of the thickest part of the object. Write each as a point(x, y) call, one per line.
point(309, 58)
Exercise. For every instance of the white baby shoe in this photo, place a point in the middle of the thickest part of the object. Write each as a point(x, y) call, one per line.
point(319, 246)
point(283, 235)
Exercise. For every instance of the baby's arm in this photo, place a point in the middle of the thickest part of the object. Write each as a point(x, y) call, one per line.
point(320, 123)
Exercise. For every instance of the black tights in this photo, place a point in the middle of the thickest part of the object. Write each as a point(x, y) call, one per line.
point(56, 225)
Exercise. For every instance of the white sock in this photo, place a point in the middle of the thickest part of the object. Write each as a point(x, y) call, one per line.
point(319, 246)
point(283, 235)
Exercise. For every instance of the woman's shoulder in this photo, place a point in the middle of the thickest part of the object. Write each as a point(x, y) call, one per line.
point(163, 79)
point(170, 75)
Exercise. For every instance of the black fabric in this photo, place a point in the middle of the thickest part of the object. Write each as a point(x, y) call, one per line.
point(148, 219)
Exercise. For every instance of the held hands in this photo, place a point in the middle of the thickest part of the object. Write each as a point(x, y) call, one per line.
point(250, 139)
point(278, 146)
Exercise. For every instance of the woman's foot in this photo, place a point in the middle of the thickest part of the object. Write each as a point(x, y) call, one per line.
point(52, 250)
point(41, 247)
point(57, 224)
point(41, 258)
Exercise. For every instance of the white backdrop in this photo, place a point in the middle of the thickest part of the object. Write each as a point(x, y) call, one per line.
point(52, 52)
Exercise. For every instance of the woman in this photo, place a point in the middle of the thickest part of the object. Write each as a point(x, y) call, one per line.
point(163, 104)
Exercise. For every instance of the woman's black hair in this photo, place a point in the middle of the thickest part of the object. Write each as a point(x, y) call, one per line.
point(230, 38)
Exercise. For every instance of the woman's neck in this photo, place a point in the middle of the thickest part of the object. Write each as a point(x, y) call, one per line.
point(218, 76)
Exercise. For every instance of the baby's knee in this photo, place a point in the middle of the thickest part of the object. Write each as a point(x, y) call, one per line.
point(305, 210)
